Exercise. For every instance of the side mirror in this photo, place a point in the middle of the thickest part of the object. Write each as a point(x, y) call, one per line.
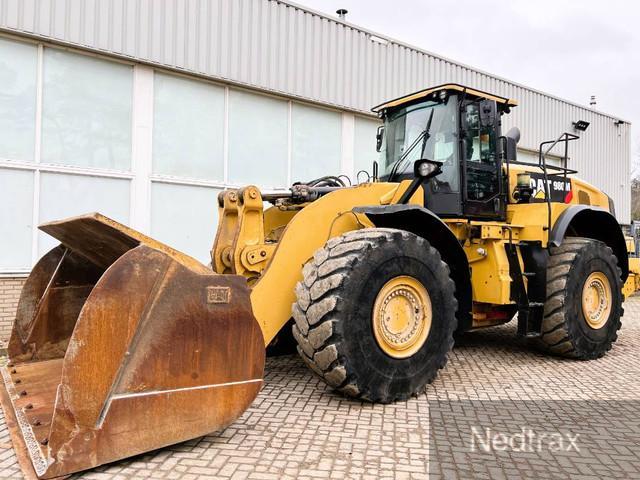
point(379, 137)
point(426, 169)
point(488, 113)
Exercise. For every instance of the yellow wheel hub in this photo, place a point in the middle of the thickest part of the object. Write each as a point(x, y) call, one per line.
point(596, 300)
point(402, 316)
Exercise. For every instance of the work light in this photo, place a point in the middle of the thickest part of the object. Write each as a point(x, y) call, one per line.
point(426, 168)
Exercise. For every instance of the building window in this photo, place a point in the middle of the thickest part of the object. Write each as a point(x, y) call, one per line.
point(258, 139)
point(316, 142)
point(69, 146)
point(365, 145)
point(63, 196)
point(185, 217)
point(16, 218)
point(188, 128)
point(86, 111)
point(18, 67)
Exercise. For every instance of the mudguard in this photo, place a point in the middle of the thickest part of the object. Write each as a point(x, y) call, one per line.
point(592, 222)
point(426, 224)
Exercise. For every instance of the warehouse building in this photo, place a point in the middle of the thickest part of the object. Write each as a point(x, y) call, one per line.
point(145, 110)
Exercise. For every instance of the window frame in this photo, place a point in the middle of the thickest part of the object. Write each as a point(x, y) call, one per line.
point(493, 206)
point(140, 175)
point(37, 166)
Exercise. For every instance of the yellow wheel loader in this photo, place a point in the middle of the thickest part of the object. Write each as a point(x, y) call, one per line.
point(122, 345)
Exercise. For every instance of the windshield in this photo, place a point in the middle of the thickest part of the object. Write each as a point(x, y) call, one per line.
point(405, 131)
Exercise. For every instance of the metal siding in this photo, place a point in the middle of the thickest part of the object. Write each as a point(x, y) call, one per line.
point(285, 48)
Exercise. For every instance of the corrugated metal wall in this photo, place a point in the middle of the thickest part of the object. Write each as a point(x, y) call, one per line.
point(284, 48)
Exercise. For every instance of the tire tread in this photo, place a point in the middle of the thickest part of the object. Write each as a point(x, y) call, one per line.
point(557, 337)
point(318, 295)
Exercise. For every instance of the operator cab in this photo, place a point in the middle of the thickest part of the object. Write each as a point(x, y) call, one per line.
point(458, 127)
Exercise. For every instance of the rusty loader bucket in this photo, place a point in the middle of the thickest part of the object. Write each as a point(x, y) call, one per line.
point(122, 345)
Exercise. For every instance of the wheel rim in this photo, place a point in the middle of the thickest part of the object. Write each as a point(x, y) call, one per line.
point(596, 300)
point(402, 316)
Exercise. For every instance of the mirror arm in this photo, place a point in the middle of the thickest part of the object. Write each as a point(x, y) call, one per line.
point(418, 180)
point(408, 193)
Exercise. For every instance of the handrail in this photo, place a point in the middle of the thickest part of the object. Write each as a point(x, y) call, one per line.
point(542, 163)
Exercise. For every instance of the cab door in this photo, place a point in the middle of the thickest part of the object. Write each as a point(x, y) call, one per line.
point(481, 165)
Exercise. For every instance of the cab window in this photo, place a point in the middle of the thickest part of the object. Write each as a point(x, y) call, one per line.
point(423, 130)
point(480, 155)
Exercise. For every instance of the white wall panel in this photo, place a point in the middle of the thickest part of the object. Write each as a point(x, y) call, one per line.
point(86, 111)
point(185, 217)
point(365, 145)
point(188, 128)
point(18, 65)
point(16, 226)
point(63, 196)
point(258, 133)
point(316, 142)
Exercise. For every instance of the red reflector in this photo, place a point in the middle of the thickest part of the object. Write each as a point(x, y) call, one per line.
point(497, 315)
point(568, 197)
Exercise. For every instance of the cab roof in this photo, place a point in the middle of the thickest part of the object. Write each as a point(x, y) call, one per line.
point(448, 87)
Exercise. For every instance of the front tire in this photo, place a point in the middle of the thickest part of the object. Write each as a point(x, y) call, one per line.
point(584, 300)
point(375, 314)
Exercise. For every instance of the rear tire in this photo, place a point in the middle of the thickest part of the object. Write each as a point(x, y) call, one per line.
point(335, 317)
point(584, 300)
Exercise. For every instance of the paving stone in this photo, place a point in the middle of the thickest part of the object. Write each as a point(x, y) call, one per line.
point(300, 428)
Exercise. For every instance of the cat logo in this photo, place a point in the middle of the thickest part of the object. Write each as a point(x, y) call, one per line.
point(218, 294)
point(559, 186)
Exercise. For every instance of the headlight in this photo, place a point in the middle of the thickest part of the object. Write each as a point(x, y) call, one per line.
point(426, 168)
